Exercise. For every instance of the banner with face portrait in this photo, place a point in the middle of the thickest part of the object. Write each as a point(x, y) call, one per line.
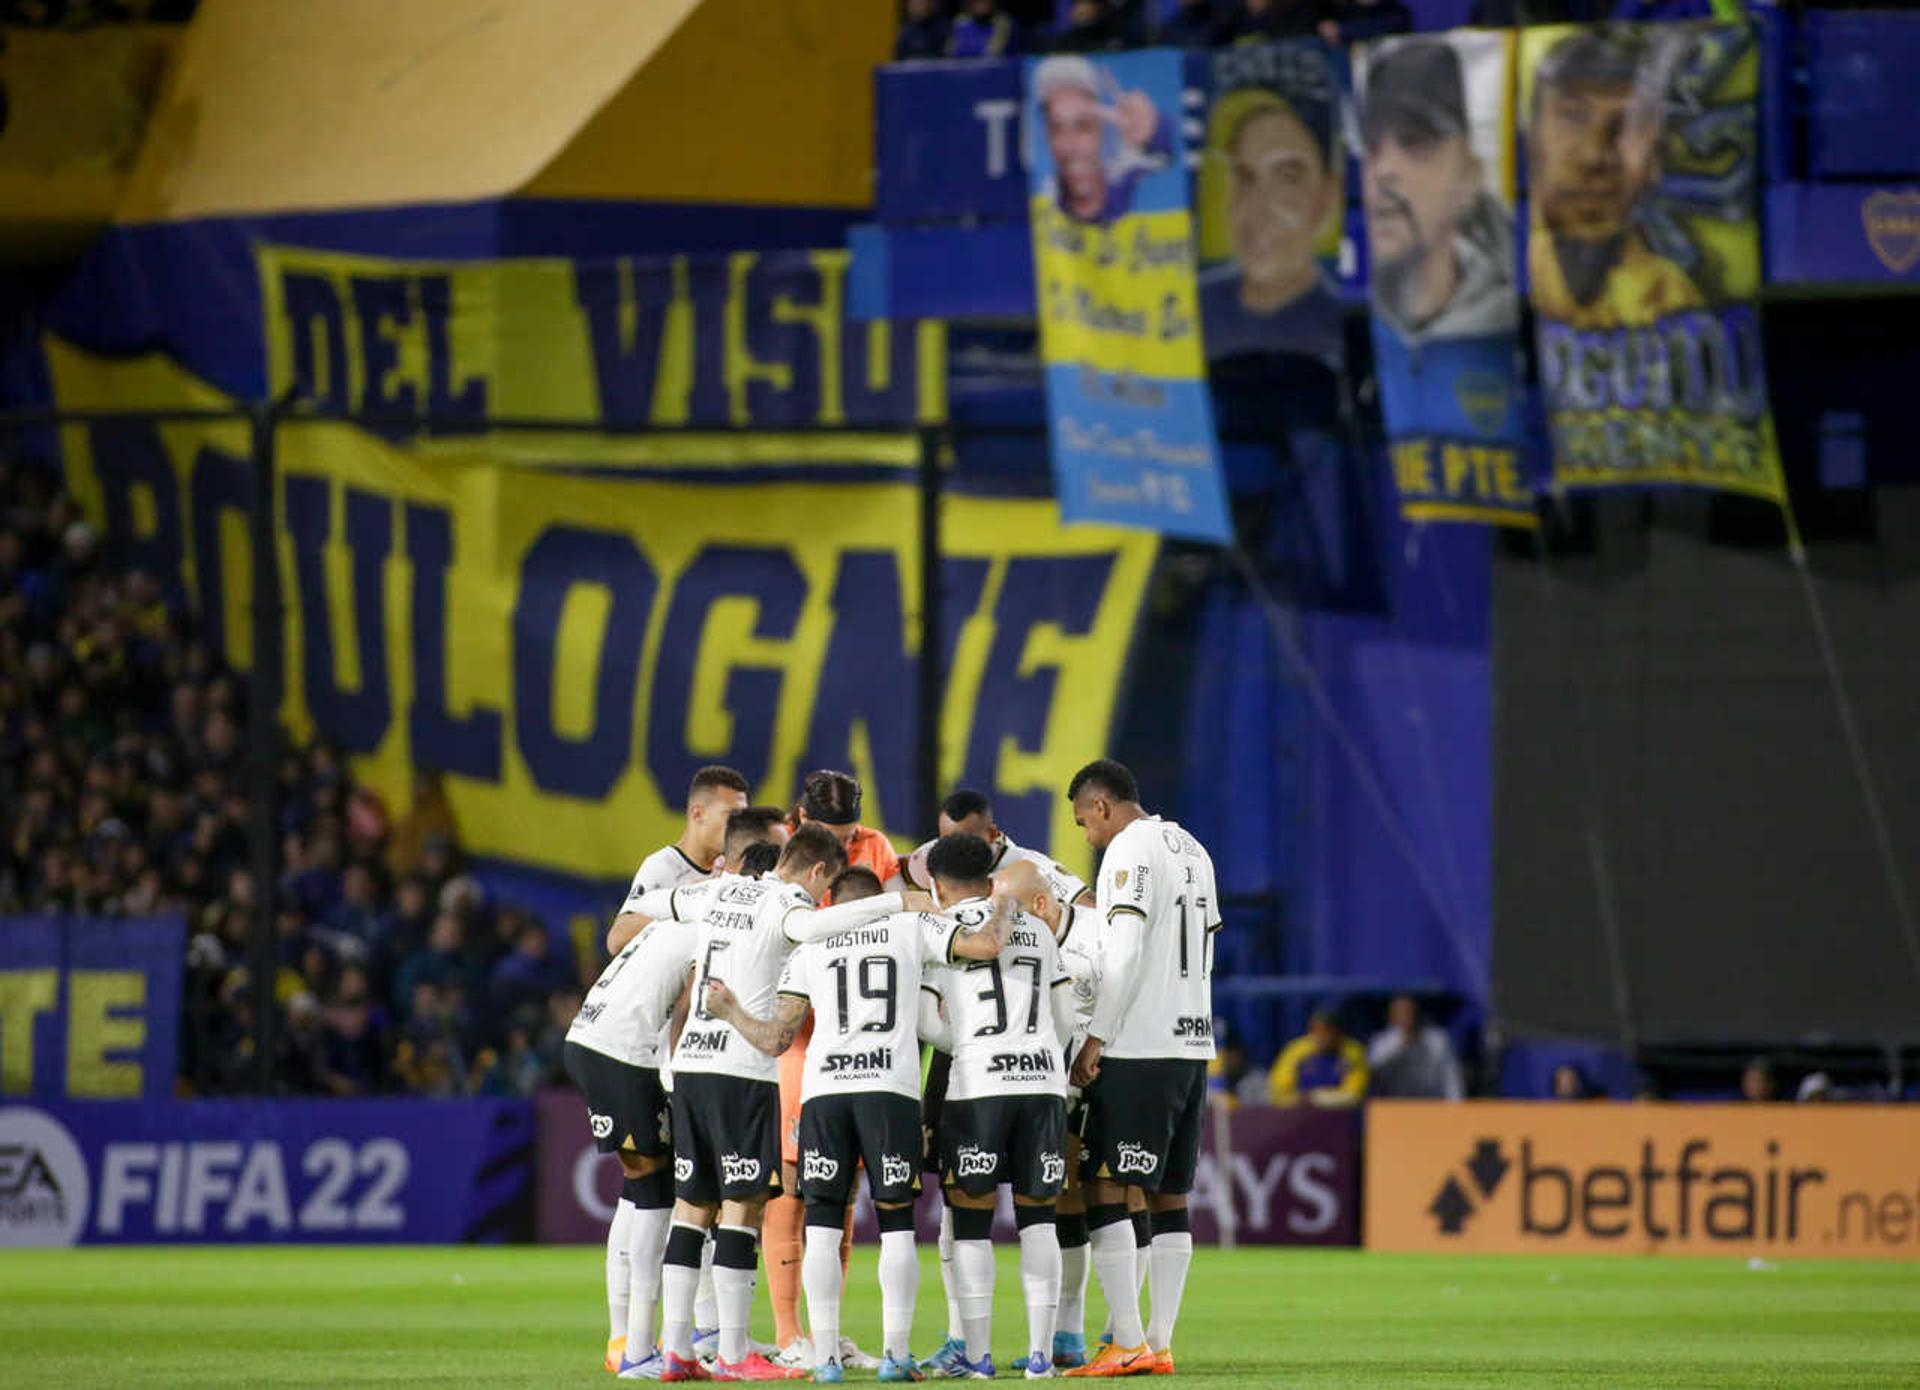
point(1128, 409)
point(1271, 194)
point(1643, 254)
point(1436, 135)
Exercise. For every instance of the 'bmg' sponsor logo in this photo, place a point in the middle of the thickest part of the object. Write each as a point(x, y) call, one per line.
point(43, 1181)
point(1670, 1194)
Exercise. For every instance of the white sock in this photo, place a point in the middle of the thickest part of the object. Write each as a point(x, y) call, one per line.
point(1073, 1290)
point(677, 1287)
point(1040, 1278)
point(973, 1272)
point(1140, 1265)
point(733, 1290)
point(648, 1242)
point(619, 1269)
point(955, 1332)
point(1172, 1254)
point(1113, 1261)
point(706, 1305)
point(820, 1277)
point(899, 1289)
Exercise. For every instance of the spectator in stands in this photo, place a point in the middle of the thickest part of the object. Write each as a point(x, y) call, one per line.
point(1570, 1083)
point(1757, 1081)
point(1193, 25)
point(1411, 1058)
point(1325, 1067)
point(1092, 27)
point(530, 972)
point(1233, 1075)
point(923, 32)
point(1816, 1087)
point(1356, 21)
point(1261, 20)
point(982, 31)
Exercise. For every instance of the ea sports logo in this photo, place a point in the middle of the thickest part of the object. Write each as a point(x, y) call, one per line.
point(43, 1181)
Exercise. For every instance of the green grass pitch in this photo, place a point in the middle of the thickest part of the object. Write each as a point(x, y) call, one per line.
point(534, 1317)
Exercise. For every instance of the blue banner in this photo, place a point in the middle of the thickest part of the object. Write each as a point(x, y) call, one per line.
point(231, 1172)
point(947, 140)
point(89, 1009)
point(1128, 408)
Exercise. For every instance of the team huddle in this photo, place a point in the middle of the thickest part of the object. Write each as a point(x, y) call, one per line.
point(757, 1040)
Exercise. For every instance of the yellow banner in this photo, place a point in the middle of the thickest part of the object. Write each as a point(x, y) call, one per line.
point(73, 107)
point(1598, 1178)
point(757, 339)
point(566, 649)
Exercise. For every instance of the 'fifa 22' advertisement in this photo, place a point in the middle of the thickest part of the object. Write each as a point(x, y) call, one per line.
point(1597, 1178)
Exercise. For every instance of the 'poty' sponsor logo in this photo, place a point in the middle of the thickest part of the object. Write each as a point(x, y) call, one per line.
point(1134, 1158)
point(683, 1169)
point(817, 1167)
point(736, 1169)
point(972, 1161)
point(895, 1171)
point(601, 1125)
point(1053, 1168)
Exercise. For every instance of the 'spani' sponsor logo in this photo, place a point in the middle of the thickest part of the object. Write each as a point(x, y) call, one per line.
point(1023, 1062)
point(877, 1059)
point(1192, 1026)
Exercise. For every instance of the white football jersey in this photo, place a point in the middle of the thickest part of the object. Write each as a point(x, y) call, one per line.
point(1002, 1011)
point(864, 985)
point(627, 1012)
point(1082, 946)
point(741, 942)
point(666, 867)
point(1064, 885)
point(1157, 894)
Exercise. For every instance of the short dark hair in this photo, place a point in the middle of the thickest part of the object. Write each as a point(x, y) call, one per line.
point(832, 798)
point(758, 858)
point(750, 825)
point(962, 802)
point(1109, 776)
point(966, 861)
point(814, 844)
point(715, 775)
point(855, 882)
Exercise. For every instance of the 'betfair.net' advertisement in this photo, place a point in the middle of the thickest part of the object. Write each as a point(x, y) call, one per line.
point(1598, 1178)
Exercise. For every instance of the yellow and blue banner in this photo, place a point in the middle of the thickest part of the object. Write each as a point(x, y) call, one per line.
point(1437, 186)
point(563, 627)
point(89, 1010)
point(1129, 413)
point(1643, 254)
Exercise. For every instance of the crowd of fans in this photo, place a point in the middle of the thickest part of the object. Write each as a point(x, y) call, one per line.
point(1000, 28)
point(123, 794)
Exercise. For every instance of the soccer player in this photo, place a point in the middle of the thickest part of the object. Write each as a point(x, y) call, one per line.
point(1144, 1063)
point(861, 1100)
point(714, 794)
point(1005, 1117)
point(831, 799)
point(1080, 933)
point(969, 812)
point(726, 1134)
point(614, 1051)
